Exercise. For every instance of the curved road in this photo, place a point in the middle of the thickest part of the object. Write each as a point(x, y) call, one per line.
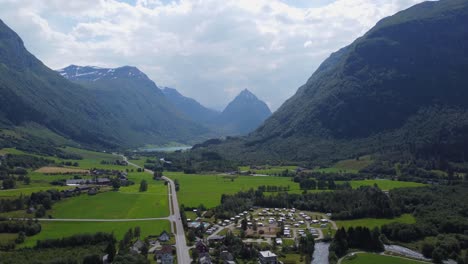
point(183, 256)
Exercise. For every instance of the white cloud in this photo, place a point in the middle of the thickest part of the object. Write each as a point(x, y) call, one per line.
point(208, 49)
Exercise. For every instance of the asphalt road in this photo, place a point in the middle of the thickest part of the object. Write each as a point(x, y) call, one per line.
point(182, 249)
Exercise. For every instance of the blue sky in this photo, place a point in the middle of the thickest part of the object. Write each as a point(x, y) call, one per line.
point(207, 49)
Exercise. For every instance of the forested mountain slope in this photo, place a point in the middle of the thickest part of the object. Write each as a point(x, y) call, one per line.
point(402, 87)
point(138, 105)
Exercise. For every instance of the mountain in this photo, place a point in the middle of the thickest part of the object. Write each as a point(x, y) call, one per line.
point(400, 88)
point(245, 113)
point(138, 105)
point(190, 107)
point(32, 94)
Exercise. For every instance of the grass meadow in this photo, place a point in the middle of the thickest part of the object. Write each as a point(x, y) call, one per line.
point(376, 222)
point(207, 189)
point(369, 258)
point(127, 203)
point(384, 184)
point(64, 229)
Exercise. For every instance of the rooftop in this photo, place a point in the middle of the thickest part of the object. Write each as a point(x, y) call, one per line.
point(267, 254)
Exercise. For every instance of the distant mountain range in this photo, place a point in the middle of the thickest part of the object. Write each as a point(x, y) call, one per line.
point(99, 107)
point(241, 116)
point(137, 103)
point(190, 107)
point(155, 107)
point(401, 88)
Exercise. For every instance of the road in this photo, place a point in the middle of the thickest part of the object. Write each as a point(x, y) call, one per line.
point(182, 249)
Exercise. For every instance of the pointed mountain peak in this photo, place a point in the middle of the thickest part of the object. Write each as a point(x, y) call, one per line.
point(246, 94)
point(94, 73)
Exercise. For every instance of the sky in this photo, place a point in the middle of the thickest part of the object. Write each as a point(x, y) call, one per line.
point(209, 50)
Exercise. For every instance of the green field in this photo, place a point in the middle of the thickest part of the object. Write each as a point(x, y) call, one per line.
point(127, 203)
point(368, 258)
point(25, 190)
point(270, 170)
point(374, 222)
point(207, 189)
point(6, 238)
point(92, 159)
point(64, 229)
point(384, 184)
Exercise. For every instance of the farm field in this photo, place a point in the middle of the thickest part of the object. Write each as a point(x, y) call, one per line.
point(384, 184)
point(271, 170)
point(207, 189)
point(375, 222)
point(368, 258)
point(64, 229)
point(127, 203)
point(58, 170)
point(92, 159)
point(27, 190)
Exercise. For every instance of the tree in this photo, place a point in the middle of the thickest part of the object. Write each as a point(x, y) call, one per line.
point(137, 231)
point(41, 211)
point(92, 259)
point(27, 180)
point(244, 224)
point(438, 255)
point(143, 186)
point(157, 175)
point(116, 184)
point(144, 250)
point(176, 183)
point(110, 250)
point(195, 255)
point(191, 235)
point(9, 183)
point(21, 237)
point(427, 249)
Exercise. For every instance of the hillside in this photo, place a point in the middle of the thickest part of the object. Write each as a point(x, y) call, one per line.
point(32, 95)
point(400, 88)
point(140, 108)
point(244, 114)
point(189, 107)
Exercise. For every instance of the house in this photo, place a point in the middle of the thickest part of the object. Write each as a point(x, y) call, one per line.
point(103, 181)
point(201, 247)
point(92, 191)
point(226, 257)
point(75, 182)
point(164, 236)
point(215, 238)
point(137, 247)
point(204, 258)
point(164, 255)
point(267, 257)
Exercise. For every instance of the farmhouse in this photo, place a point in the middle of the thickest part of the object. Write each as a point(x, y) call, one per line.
point(164, 236)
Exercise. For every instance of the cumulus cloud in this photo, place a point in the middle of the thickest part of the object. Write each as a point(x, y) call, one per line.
point(208, 49)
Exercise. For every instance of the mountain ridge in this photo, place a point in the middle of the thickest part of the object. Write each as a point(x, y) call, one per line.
point(365, 98)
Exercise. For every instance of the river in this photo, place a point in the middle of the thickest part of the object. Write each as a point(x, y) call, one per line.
point(320, 253)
